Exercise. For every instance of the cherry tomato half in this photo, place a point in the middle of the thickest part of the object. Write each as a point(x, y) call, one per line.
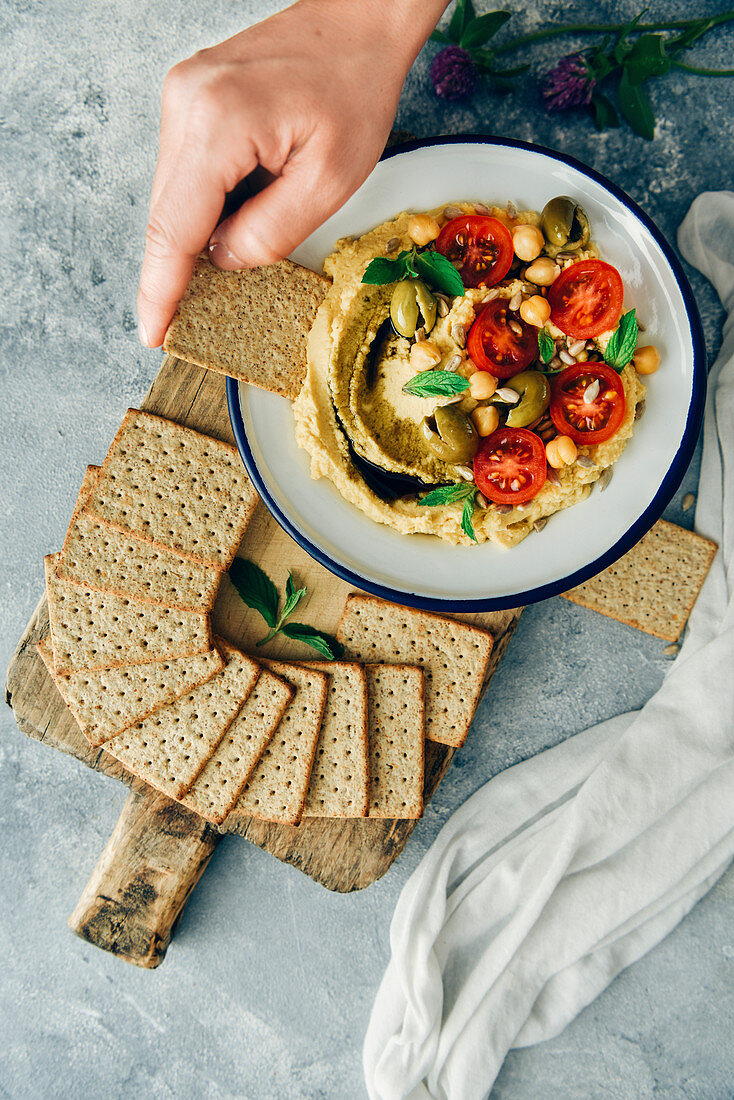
point(587, 421)
point(586, 298)
point(510, 466)
point(493, 346)
point(482, 245)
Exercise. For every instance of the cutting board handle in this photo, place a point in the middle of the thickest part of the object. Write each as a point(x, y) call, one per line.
point(143, 878)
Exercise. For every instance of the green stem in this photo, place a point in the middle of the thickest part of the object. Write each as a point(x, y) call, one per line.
point(702, 72)
point(269, 637)
point(607, 28)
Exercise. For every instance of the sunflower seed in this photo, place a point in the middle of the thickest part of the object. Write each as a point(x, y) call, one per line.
point(591, 392)
point(511, 209)
point(458, 333)
point(540, 523)
point(392, 245)
point(585, 462)
point(506, 394)
point(553, 476)
point(481, 501)
point(442, 307)
point(565, 256)
point(576, 347)
point(420, 334)
point(453, 363)
point(503, 509)
point(515, 301)
point(640, 326)
point(515, 327)
point(555, 363)
point(450, 212)
point(670, 652)
point(480, 208)
point(566, 358)
point(688, 501)
point(454, 400)
point(640, 410)
point(604, 478)
point(466, 472)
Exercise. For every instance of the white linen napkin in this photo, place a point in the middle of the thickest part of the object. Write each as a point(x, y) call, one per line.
point(564, 869)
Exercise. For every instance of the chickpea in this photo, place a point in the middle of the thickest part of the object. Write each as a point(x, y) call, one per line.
point(543, 272)
point(486, 420)
point(647, 359)
point(422, 228)
point(424, 354)
point(528, 241)
point(561, 451)
point(482, 385)
point(535, 310)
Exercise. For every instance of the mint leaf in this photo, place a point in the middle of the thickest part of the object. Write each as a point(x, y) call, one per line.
point(323, 643)
point(546, 346)
point(382, 270)
point(293, 597)
point(636, 107)
point(439, 272)
point(255, 588)
point(447, 494)
point(481, 29)
point(622, 343)
point(436, 383)
point(467, 516)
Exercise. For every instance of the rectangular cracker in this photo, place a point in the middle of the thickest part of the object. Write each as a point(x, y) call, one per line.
point(276, 790)
point(396, 703)
point(109, 701)
point(654, 586)
point(105, 560)
point(453, 655)
point(220, 783)
point(175, 488)
point(171, 747)
point(95, 630)
point(251, 325)
point(340, 780)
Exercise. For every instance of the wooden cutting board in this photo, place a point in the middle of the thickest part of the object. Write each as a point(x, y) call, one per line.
point(159, 850)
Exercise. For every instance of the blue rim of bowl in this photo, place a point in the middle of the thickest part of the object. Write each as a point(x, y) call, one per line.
point(632, 535)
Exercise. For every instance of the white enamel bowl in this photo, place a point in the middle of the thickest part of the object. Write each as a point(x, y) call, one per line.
point(421, 570)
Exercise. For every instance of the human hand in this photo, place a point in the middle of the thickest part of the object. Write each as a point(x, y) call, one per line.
point(309, 96)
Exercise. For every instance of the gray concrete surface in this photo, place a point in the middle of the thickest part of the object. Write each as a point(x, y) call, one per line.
point(267, 988)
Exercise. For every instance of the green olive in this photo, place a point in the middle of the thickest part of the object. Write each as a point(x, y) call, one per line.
point(412, 306)
point(534, 390)
point(565, 225)
point(455, 438)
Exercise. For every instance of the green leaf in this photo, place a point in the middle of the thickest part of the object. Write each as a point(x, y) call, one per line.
point(636, 107)
point(439, 36)
point(447, 494)
point(481, 29)
point(255, 588)
point(323, 643)
point(463, 15)
point(439, 272)
point(605, 114)
point(293, 597)
point(467, 516)
point(382, 270)
point(622, 343)
point(647, 58)
point(436, 383)
point(546, 346)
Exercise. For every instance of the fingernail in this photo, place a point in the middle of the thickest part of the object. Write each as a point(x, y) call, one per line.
point(221, 257)
point(143, 335)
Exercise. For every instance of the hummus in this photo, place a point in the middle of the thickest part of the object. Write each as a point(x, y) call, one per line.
point(356, 421)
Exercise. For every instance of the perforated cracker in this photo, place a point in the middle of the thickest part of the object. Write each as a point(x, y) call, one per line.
point(105, 560)
point(94, 630)
point(107, 702)
point(655, 585)
point(276, 790)
point(250, 324)
point(453, 655)
point(170, 748)
point(397, 735)
point(340, 780)
point(177, 489)
point(219, 784)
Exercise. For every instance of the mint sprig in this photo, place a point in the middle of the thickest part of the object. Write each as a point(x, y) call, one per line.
point(546, 346)
point(454, 494)
point(622, 343)
point(436, 383)
point(431, 266)
point(256, 589)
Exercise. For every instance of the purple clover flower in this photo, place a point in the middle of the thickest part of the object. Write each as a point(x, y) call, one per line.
point(570, 84)
point(453, 73)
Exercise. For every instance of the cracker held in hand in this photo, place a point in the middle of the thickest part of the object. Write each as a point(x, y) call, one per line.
point(251, 325)
point(220, 783)
point(93, 630)
point(453, 655)
point(396, 703)
point(175, 488)
point(655, 585)
point(108, 561)
point(170, 748)
point(276, 790)
point(107, 702)
point(340, 780)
